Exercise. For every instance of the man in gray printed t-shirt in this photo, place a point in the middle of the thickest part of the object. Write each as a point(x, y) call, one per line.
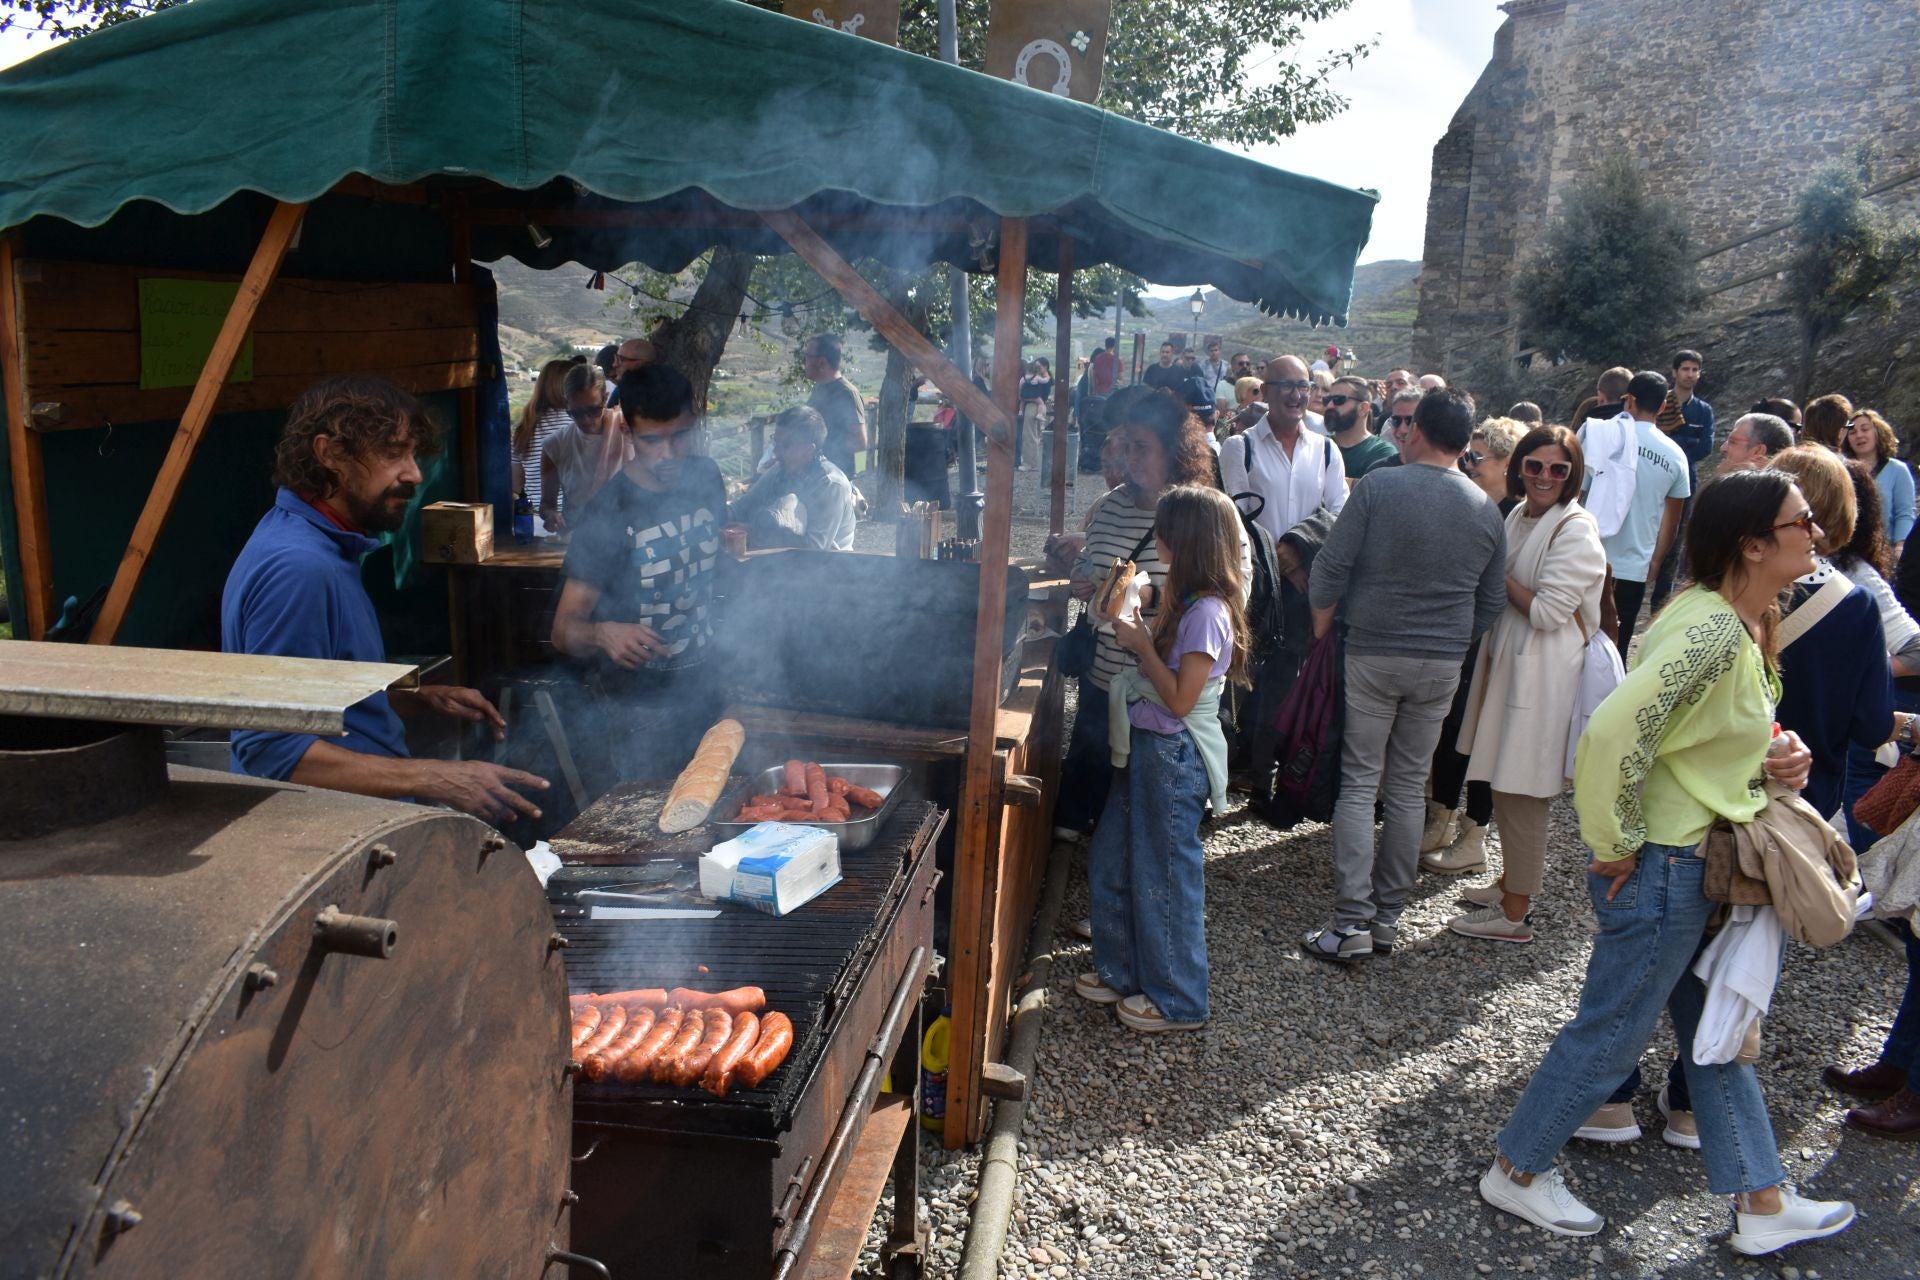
point(1419, 559)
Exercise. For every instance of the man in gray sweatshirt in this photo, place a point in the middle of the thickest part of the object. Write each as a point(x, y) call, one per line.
point(1419, 559)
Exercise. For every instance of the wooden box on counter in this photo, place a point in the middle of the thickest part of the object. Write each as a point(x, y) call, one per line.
point(456, 532)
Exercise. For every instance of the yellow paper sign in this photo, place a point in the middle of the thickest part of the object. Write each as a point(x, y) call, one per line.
point(179, 319)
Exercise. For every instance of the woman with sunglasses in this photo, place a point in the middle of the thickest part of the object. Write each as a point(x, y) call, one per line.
point(574, 463)
point(1682, 741)
point(1526, 681)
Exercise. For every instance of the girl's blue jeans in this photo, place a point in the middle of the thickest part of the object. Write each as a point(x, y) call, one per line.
point(1145, 877)
point(1642, 962)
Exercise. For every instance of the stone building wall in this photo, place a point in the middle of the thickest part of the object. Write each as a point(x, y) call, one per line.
point(1727, 105)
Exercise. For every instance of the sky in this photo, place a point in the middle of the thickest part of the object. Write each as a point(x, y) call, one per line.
point(1401, 98)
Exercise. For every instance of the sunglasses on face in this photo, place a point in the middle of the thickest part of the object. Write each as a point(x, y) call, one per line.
point(1472, 458)
point(1290, 385)
point(1803, 522)
point(1339, 401)
point(1402, 420)
point(585, 415)
point(1537, 467)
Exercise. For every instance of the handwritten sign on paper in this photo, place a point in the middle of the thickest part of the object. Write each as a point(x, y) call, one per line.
point(179, 319)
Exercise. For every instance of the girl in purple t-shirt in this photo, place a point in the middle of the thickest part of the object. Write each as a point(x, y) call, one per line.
point(1145, 865)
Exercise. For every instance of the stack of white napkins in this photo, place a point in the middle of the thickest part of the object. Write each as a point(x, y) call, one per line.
point(773, 867)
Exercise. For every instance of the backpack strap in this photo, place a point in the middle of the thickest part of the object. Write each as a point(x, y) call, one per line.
point(1816, 607)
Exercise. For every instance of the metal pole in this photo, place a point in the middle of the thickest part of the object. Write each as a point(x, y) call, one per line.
point(970, 500)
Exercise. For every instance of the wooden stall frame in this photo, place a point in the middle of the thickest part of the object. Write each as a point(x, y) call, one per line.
point(1063, 381)
point(267, 257)
point(23, 445)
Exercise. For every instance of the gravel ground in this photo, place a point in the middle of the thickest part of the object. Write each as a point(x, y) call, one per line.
point(1333, 1121)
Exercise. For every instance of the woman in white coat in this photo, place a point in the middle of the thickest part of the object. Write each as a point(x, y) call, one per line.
point(1525, 683)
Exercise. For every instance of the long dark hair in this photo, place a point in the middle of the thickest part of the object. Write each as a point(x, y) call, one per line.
point(1189, 461)
point(1869, 543)
point(1200, 528)
point(1731, 510)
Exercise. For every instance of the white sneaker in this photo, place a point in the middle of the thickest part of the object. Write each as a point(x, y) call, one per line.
point(1088, 986)
point(1491, 923)
point(1799, 1219)
point(1545, 1202)
point(1082, 928)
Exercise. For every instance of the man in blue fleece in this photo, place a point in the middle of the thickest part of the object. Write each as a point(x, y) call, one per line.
point(347, 470)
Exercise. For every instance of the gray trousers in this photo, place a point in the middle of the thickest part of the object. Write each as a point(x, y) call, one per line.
point(1394, 709)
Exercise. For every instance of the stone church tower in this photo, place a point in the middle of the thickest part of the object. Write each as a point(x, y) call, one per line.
point(1727, 105)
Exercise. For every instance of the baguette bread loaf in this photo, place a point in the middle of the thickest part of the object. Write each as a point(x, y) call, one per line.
point(699, 785)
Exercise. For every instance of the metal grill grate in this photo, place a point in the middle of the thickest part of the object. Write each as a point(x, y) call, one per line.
point(808, 963)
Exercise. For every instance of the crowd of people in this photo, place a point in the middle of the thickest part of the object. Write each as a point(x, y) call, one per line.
point(1488, 664)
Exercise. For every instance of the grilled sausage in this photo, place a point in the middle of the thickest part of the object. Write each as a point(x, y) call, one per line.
point(795, 780)
point(768, 1052)
point(865, 798)
point(719, 1074)
point(644, 997)
point(600, 1065)
point(586, 1019)
point(817, 786)
point(634, 1068)
point(719, 1027)
point(667, 1065)
point(737, 1001)
point(609, 1028)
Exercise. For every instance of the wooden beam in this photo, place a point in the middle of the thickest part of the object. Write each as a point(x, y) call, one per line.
point(976, 858)
point(893, 326)
point(1062, 390)
point(267, 257)
point(23, 448)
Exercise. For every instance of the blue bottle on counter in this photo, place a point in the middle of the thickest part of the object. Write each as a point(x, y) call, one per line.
point(522, 519)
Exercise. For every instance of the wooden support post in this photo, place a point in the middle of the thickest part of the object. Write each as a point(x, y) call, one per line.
point(1063, 381)
point(468, 398)
point(23, 446)
point(893, 326)
point(267, 258)
point(976, 859)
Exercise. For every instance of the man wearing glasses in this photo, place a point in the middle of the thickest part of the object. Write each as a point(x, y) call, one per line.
point(1296, 471)
point(1398, 427)
point(1349, 415)
point(637, 603)
point(574, 463)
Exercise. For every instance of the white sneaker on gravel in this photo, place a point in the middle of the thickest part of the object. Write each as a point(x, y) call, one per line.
point(1545, 1202)
point(1089, 987)
point(1681, 1131)
point(1799, 1219)
point(1385, 937)
point(1483, 895)
point(1342, 946)
point(1613, 1122)
point(1142, 1014)
point(1082, 928)
point(1491, 923)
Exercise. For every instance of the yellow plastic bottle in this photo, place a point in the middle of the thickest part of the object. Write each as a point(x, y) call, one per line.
point(933, 1073)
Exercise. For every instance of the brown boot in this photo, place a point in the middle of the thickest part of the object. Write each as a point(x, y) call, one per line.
point(1898, 1117)
point(1873, 1083)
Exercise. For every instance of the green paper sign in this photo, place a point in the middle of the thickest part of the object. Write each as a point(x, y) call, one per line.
point(179, 319)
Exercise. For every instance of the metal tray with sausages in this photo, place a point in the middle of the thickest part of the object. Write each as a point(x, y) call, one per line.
point(887, 779)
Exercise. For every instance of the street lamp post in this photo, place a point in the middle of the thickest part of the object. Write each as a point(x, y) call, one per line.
point(1198, 304)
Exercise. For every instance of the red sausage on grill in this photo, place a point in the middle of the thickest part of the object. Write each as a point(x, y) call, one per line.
point(719, 1076)
point(795, 782)
point(768, 1052)
point(600, 1065)
point(667, 1065)
point(865, 798)
point(817, 787)
point(585, 1021)
point(633, 1068)
point(604, 1035)
point(737, 1001)
point(719, 1026)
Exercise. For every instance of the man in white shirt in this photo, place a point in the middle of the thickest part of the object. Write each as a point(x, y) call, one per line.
point(1295, 470)
point(1660, 490)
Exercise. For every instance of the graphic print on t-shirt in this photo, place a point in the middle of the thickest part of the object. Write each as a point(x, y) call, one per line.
point(672, 588)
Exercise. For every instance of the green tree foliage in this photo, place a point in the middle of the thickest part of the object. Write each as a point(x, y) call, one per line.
point(1615, 273)
point(1849, 258)
point(64, 19)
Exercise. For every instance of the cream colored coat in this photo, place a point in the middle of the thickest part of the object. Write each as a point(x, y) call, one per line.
point(1520, 702)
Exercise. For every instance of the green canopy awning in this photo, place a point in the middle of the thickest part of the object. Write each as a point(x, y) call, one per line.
point(693, 113)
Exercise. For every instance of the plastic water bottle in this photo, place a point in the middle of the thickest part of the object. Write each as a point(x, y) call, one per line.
point(522, 519)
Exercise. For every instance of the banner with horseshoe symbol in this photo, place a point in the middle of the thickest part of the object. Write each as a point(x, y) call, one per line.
point(874, 19)
point(1056, 46)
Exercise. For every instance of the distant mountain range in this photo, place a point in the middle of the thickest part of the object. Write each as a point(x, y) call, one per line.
point(1379, 330)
